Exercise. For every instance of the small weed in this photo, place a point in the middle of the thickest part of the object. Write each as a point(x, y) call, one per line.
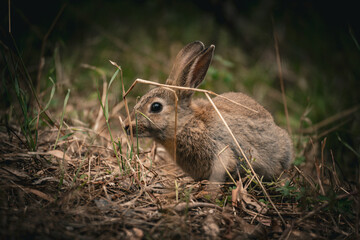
point(299, 160)
point(290, 190)
point(105, 108)
point(26, 126)
point(62, 117)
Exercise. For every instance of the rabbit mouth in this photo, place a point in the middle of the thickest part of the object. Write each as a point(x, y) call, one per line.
point(137, 132)
point(141, 134)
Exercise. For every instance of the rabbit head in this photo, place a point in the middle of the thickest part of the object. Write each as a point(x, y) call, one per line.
point(155, 111)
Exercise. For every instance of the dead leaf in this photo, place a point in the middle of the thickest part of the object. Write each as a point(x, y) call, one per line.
point(250, 205)
point(55, 153)
point(134, 234)
point(47, 179)
point(247, 201)
point(16, 172)
point(59, 154)
point(39, 194)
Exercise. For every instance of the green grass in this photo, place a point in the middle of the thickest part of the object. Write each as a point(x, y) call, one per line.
point(62, 117)
point(105, 108)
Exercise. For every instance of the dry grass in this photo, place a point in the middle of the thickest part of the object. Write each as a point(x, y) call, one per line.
point(79, 190)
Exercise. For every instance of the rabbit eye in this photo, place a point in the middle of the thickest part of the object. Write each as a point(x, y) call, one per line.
point(156, 107)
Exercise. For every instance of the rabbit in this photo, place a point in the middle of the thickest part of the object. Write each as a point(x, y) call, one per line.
point(200, 133)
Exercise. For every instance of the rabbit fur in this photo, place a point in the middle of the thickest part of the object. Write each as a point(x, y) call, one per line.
point(201, 134)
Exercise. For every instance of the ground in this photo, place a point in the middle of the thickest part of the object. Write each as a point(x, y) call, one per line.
point(79, 189)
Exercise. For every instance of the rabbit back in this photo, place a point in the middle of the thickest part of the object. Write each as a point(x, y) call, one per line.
point(266, 145)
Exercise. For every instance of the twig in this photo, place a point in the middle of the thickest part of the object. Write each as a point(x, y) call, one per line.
point(355, 41)
point(184, 88)
point(336, 178)
point(181, 207)
point(223, 164)
point(326, 132)
point(305, 177)
point(331, 119)
point(325, 204)
point(323, 143)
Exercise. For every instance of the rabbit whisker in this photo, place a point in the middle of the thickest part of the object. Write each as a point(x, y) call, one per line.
point(148, 119)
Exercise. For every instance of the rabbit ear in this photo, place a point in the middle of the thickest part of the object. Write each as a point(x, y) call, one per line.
point(194, 72)
point(188, 53)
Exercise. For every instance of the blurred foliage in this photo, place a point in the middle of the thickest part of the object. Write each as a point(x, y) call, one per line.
point(319, 53)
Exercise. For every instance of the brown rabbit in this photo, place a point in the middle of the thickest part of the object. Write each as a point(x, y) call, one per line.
point(201, 134)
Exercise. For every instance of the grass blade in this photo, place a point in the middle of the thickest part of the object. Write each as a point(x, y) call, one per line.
point(106, 98)
point(348, 146)
point(106, 115)
point(62, 117)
